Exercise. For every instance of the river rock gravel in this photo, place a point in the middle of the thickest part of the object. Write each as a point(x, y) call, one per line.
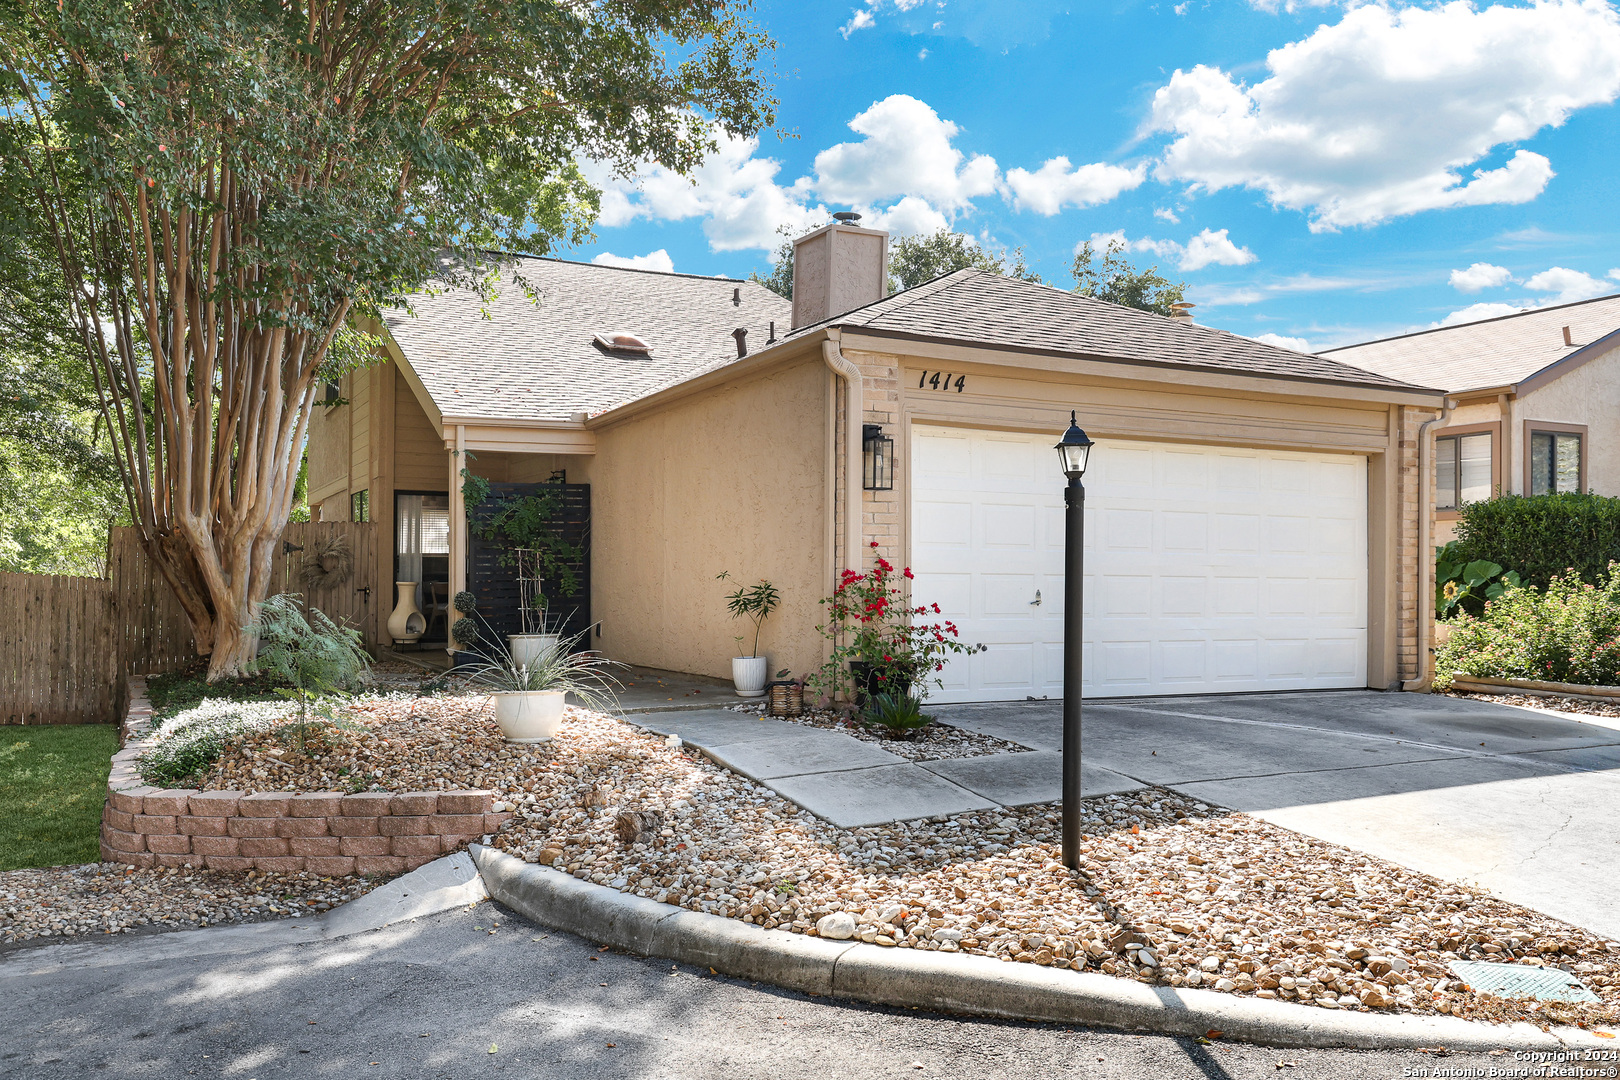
point(932, 742)
point(99, 899)
point(1170, 891)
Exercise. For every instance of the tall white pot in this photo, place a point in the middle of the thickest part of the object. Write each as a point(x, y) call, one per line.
point(527, 648)
point(748, 674)
point(529, 716)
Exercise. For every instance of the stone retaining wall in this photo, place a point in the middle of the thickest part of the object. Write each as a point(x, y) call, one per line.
point(326, 833)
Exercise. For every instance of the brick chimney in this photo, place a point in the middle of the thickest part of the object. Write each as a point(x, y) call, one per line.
point(838, 268)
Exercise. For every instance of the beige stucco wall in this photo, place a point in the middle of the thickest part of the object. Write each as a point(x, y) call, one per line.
point(1589, 395)
point(732, 479)
point(1277, 416)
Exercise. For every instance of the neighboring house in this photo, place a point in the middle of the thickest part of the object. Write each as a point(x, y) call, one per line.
point(1252, 518)
point(1536, 396)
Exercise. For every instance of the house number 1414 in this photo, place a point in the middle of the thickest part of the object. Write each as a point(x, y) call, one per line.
point(934, 380)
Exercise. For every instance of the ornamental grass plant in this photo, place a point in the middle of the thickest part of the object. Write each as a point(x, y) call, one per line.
point(1570, 633)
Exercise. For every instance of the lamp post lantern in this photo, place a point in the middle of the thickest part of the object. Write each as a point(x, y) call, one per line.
point(1073, 450)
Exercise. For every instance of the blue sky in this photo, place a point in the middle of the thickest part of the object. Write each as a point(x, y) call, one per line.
point(1322, 172)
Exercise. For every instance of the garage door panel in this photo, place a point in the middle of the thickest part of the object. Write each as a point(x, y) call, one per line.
point(1208, 568)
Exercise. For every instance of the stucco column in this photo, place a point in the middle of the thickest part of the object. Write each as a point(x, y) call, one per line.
point(458, 525)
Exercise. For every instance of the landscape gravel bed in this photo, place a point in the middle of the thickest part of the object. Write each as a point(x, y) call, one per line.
point(933, 742)
point(1580, 706)
point(1170, 891)
point(110, 898)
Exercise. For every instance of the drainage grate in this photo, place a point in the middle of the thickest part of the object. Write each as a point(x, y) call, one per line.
point(1522, 980)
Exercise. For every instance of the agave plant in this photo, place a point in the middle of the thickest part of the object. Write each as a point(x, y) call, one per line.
point(564, 666)
point(901, 714)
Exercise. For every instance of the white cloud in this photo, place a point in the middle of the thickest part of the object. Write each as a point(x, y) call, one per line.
point(1057, 184)
point(1476, 312)
point(1298, 344)
point(860, 20)
point(1480, 276)
point(910, 216)
point(1207, 248)
point(734, 191)
point(907, 151)
point(1290, 6)
point(1210, 247)
point(1164, 213)
point(922, 54)
point(1383, 113)
point(1615, 273)
point(653, 260)
point(1569, 285)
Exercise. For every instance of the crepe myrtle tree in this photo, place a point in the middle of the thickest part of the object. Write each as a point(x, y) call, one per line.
point(231, 187)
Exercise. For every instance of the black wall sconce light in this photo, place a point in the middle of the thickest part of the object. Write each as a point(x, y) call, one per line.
point(877, 459)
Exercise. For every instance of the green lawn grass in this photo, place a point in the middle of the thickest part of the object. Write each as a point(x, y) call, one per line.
point(53, 781)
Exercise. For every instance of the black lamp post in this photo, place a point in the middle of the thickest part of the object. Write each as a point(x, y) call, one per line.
point(1073, 451)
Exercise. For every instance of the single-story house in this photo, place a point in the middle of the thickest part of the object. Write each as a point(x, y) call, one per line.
point(1253, 513)
point(1534, 401)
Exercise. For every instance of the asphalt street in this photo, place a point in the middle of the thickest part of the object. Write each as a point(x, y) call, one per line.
point(479, 992)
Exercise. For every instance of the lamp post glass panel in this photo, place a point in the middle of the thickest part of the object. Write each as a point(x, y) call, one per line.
point(1073, 451)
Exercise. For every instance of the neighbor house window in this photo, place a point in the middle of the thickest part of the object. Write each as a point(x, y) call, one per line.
point(1462, 467)
point(1555, 461)
point(360, 506)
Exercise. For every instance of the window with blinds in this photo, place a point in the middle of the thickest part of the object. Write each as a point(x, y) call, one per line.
point(1463, 470)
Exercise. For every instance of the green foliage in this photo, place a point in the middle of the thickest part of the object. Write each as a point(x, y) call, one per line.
point(53, 782)
point(1542, 536)
point(524, 523)
point(303, 649)
point(780, 278)
point(465, 632)
point(899, 713)
point(1461, 585)
point(1570, 633)
point(187, 744)
point(224, 186)
point(300, 503)
point(754, 603)
point(564, 666)
point(464, 602)
point(1117, 281)
point(177, 691)
point(916, 259)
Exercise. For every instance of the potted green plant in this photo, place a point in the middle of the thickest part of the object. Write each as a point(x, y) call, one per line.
point(466, 633)
point(529, 698)
point(899, 714)
point(754, 603)
point(528, 526)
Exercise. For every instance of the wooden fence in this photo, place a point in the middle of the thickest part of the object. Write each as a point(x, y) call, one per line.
point(66, 643)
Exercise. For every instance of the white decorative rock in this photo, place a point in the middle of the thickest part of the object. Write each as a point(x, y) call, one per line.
point(839, 926)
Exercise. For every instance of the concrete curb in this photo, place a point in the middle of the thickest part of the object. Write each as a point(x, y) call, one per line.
point(978, 985)
point(441, 885)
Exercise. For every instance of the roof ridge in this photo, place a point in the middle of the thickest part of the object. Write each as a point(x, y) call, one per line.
point(628, 269)
point(1475, 322)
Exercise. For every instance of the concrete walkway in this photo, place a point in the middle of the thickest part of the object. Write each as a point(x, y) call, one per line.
point(852, 783)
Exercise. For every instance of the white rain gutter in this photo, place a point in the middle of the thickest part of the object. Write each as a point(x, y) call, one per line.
point(1425, 598)
point(854, 414)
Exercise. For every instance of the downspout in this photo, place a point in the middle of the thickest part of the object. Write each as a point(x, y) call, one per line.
point(1425, 597)
point(854, 413)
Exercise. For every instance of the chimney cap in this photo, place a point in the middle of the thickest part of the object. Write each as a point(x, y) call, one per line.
point(848, 217)
point(1181, 309)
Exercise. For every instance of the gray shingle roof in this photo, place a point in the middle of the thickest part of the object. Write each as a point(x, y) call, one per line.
point(530, 361)
point(980, 307)
point(1490, 353)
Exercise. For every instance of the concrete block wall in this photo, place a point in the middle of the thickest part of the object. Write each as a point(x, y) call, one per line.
point(327, 833)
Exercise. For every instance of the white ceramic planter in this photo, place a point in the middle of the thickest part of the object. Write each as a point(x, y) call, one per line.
point(527, 648)
point(407, 624)
point(529, 716)
point(748, 673)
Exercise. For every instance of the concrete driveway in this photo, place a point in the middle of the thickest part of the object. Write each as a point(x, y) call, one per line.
point(1521, 802)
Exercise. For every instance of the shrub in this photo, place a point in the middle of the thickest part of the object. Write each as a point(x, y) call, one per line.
point(1570, 633)
point(187, 744)
point(901, 714)
point(1465, 586)
point(1542, 536)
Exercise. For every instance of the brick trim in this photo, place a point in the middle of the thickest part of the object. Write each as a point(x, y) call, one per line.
point(326, 833)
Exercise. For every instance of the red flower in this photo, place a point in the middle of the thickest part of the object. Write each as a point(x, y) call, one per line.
point(936, 609)
point(874, 543)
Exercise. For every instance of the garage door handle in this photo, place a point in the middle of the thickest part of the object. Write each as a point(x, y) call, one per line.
point(1037, 601)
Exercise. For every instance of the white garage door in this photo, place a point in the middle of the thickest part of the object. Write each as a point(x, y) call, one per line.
point(1208, 569)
